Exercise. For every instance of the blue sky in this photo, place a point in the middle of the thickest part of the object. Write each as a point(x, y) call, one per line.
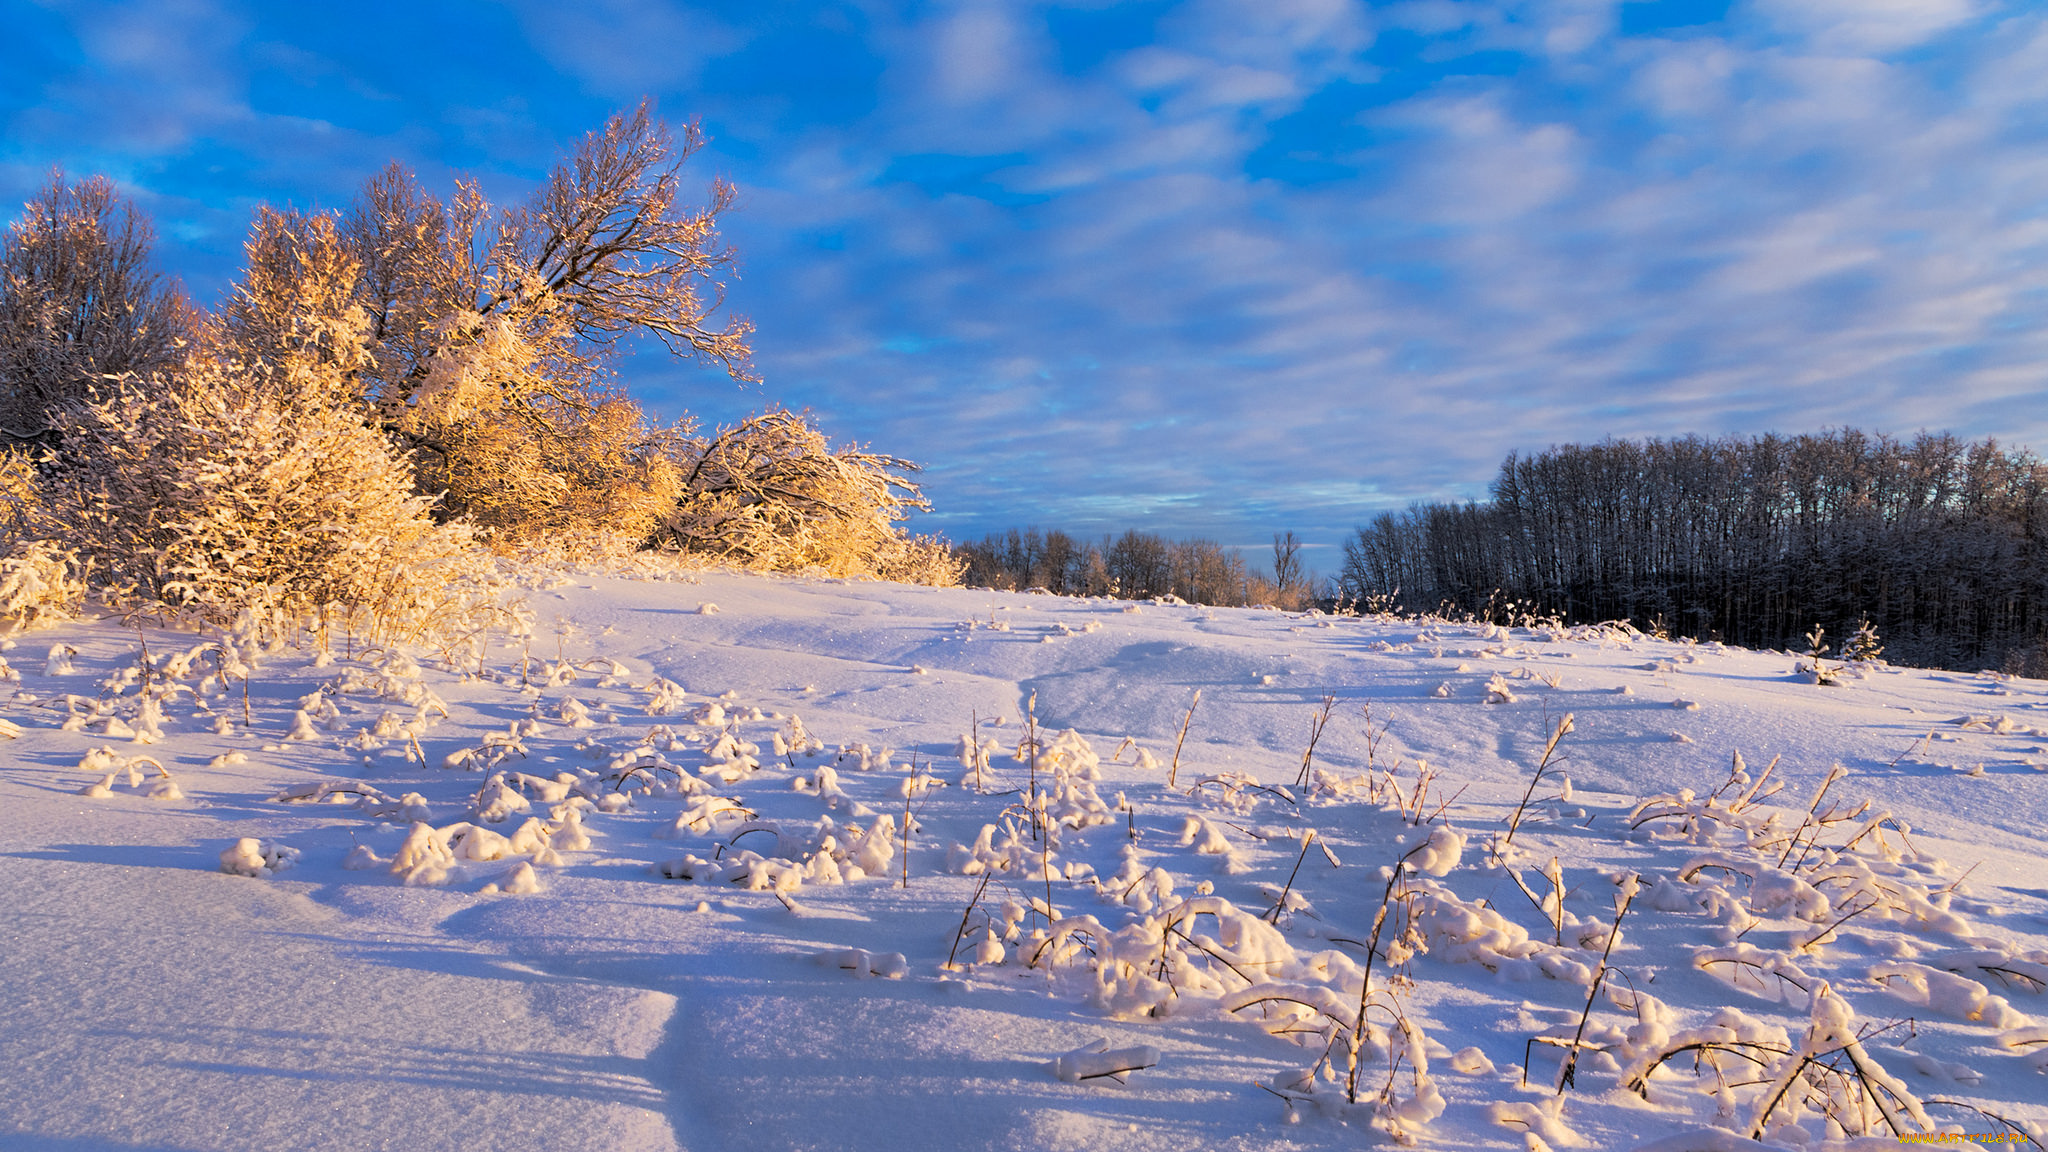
point(1217, 267)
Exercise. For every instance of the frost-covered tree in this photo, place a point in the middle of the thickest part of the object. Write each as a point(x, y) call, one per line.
point(79, 303)
point(493, 339)
point(292, 323)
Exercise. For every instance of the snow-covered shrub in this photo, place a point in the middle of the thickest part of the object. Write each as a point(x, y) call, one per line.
point(208, 493)
point(926, 560)
point(39, 584)
point(20, 498)
point(771, 492)
point(1864, 646)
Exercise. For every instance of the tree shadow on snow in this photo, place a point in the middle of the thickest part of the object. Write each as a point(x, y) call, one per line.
point(37, 1142)
point(175, 856)
point(344, 1058)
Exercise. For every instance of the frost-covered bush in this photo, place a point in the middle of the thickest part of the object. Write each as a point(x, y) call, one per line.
point(39, 584)
point(20, 498)
point(201, 492)
point(771, 492)
point(911, 559)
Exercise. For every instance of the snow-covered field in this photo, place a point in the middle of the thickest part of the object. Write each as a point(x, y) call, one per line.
point(648, 888)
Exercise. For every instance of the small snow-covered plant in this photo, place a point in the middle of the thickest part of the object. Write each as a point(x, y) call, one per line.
point(1320, 1013)
point(1622, 900)
point(1857, 1098)
point(1864, 646)
point(1812, 664)
point(40, 584)
point(257, 859)
point(1731, 804)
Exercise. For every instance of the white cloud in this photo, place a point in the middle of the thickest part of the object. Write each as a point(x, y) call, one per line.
point(626, 49)
point(1733, 230)
point(1867, 26)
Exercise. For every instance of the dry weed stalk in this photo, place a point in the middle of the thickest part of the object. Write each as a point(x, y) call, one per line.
point(1174, 769)
point(966, 914)
point(1280, 906)
point(1622, 901)
point(1558, 733)
point(1315, 733)
point(1372, 945)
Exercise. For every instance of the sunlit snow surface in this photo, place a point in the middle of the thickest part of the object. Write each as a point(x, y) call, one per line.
point(572, 990)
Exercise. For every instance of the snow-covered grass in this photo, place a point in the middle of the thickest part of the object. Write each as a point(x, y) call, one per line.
point(733, 861)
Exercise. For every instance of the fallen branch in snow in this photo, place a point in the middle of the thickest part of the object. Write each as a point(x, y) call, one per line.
point(1096, 1059)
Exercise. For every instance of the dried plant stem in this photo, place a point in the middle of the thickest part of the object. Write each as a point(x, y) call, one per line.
point(1280, 906)
point(1835, 773)
point(974, 735)
point(1031, 740)
point(1372, 945)
point(1549, 749)
point(1373, 736)
point(1045, 869)
point(1174, 769)
point(909, 788)
point(1571, 1060)
point(964, 916)
point(1909, 749)
point(1815, 940)
point(1315, 733)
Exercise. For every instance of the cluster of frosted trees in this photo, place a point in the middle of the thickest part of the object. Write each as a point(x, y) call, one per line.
point(1135, 565)
point(393, 385)
point(1941, 544)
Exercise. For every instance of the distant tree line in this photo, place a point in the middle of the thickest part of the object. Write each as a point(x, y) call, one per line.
point(1941, 544)
point(1135, 565)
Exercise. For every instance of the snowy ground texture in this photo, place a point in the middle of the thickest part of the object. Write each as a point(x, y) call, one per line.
point(638, 881)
